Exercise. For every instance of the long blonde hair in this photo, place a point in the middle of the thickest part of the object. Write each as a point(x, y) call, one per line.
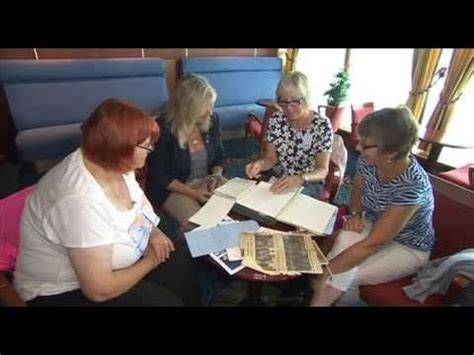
point(186, 104)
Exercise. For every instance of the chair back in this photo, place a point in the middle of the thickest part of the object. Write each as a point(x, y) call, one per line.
point(11, 209)
point(256, 126)
point(358, 114)
point(337, 168)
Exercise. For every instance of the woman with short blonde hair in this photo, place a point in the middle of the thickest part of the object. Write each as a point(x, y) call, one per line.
point(187, 164)
point(298, 140)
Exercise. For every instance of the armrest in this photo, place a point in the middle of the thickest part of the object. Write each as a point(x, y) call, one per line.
point(8, 295)
point(253, 115)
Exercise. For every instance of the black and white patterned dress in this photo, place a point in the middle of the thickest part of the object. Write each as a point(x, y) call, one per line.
point(297, 148)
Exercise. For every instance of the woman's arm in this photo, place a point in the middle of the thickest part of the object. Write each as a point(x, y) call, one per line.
point(98, 281)
point(266, 160)
point(355, 204)
point(179, 187)
point(390, 223)
point(321, 168)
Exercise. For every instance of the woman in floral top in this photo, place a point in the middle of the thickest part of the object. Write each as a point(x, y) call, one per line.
point(298, 140)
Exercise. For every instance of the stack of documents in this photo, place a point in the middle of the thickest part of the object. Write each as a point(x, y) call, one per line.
point(276, 253)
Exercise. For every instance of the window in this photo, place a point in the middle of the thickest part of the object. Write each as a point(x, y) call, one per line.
point(320, 66)
point(462, 123)
point(460, 131)
point(382, 76)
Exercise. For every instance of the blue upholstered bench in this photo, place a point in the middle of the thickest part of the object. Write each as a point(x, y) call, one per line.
point(239, 82)
point(49, 99)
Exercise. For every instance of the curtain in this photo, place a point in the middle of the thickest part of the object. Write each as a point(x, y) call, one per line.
point(347, 59)
point(425, 62)
point(459, 73)
point(290, 56)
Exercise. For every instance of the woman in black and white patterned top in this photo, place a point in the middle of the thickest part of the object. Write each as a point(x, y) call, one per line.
point(298, 140)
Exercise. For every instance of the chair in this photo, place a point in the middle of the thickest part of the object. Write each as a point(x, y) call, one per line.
point(358, 114)
point(453, 223)
point(463, 176)
point(334, 114)
point(337, 168)
point(11, 209)
point(256, 126)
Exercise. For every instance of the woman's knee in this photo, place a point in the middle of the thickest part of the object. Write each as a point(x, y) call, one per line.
point(344, 240)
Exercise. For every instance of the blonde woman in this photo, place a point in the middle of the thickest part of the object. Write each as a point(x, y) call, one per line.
point(298, 140)
point(187, 163)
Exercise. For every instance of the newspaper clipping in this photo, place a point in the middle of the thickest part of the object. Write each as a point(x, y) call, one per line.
point(281, 253)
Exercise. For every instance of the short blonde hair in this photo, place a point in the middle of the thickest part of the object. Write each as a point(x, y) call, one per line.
point(186, 104)
point(393, 129)
point(295, 81)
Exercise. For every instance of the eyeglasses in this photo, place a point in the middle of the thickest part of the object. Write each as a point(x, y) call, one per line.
point(149, 149)
point(294, 102)
point(364, 147)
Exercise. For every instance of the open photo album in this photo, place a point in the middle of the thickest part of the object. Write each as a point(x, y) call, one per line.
point(291, 207)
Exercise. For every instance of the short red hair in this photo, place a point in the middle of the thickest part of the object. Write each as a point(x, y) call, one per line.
point(112, 132)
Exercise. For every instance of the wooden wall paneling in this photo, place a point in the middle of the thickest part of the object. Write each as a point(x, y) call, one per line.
point(267, 52)
point(165, 53)
point(84, 53)
point(17, 53)
point(227, 52)
point(172, 74)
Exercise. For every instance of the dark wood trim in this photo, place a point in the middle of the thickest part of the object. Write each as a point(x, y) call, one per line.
point(83, 53)
point(453, 191)
point(17, 53)
point(225, 52)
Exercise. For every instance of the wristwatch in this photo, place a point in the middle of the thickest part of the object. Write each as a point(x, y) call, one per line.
point(356, 214)
point(305, 179)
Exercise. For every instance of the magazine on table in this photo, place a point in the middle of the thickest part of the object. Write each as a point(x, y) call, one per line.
point(223, 259)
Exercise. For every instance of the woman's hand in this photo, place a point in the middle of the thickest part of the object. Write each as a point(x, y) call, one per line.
point(353, 223)
point(253, 169)
point(161, 245)
point(201, 195)
point(213, 182)
point(285, 183)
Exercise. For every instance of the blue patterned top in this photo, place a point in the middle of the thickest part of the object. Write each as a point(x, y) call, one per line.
point(412, 187)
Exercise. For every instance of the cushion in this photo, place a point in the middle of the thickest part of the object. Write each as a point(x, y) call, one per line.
point(237, 80)
point(392, 294)
point(234, 116)
point(48, 142)
point(73, 88)
point(459, 176)
point(11, 208)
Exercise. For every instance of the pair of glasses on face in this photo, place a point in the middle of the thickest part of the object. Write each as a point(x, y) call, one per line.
point(365, 147)
point(285, 103)
point(149, 149)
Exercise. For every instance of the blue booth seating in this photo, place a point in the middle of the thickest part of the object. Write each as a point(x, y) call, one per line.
point(49, 99)
point(239, 82)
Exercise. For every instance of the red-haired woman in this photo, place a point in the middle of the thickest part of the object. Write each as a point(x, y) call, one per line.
point(89, 235)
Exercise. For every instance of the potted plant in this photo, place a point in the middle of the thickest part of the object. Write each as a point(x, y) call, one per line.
point(337, 94)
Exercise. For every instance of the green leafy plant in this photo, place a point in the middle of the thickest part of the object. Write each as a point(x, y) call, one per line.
point(339, 88)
